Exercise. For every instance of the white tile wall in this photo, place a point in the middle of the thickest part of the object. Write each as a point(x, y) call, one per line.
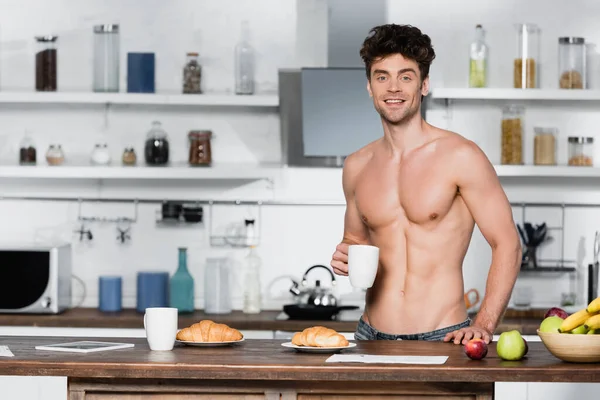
point(294, 238)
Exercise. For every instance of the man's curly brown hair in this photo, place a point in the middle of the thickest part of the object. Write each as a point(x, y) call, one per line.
point(385, 40)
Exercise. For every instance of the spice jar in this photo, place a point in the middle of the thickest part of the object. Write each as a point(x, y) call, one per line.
point(129, 156)
point(512, 135)
point(156, 149)
point(192, 74)
point(45, 64)
point(581, 151)
point(571, 63)
point(100, 154)
point(544, 146)
point(27, 152)
point(525, 64)
point(199, 147)
point(55, 155)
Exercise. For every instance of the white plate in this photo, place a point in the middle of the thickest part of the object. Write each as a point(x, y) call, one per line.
point(308, 349)
point(209, 344)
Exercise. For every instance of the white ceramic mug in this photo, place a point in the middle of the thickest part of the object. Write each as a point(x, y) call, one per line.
point(363, 261)
point(160, 324)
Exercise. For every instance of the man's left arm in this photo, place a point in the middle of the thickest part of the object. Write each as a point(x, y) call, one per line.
point(481, 191)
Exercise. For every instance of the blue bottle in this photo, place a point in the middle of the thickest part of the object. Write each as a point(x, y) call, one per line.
point(182, 286)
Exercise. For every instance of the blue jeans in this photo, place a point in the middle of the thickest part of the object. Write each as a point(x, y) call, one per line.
point(365, 331)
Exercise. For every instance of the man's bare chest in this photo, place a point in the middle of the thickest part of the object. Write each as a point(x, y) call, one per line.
point(416, 194)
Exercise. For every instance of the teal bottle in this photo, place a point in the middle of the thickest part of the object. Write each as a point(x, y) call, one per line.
point(181, 291)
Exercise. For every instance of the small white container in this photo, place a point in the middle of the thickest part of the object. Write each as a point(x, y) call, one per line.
point(101, 155)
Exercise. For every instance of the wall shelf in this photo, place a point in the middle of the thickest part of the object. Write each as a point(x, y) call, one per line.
point(557, 171)
point(174, 172)
point(514, 94)
point(257, 100)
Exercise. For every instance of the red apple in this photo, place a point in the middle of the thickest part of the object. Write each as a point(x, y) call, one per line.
point(526, 347)
point(559, 312)
point(476, 349)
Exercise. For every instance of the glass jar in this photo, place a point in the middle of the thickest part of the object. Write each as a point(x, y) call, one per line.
point(526, 61)
point(106, 58)
point(27, 151)
point(512, 135)
point(199, 148)
point(571, 63)
point(55, 155)
point(192, 74)
point(46, 64)
point(581, 151)
point(156, 149)
point(129, 156)
point(100, 154)
point(544, 146)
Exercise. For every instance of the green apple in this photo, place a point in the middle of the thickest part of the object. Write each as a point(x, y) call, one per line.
point(551, 324)
point(511, 345)
point(593, 331)
point(579, 330)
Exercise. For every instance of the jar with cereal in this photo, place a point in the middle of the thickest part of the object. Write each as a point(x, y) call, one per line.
point(525, 69)
point(512, 135)
point(581, 151)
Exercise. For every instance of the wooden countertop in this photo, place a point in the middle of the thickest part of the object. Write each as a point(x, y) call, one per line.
point(525, 321)
point(268, 360)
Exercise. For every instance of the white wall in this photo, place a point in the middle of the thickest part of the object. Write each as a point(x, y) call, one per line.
point(294, 238)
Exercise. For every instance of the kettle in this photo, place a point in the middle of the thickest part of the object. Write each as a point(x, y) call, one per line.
point(316, 295)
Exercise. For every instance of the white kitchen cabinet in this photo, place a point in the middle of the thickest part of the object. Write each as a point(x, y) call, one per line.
point(561, 391)
point(510, 391)
point(33, 387)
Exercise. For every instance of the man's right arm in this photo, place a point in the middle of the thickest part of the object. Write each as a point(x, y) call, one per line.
point(355, 231)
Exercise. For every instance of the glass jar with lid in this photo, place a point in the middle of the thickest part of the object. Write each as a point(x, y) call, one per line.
point(544, 146)
point(106, 58)
point(571, 63)
point(27, 151)
point(46, 64)
point(527, 59)
point(192, 74)
point(199, 147)
point(581, 151)
point(156, 149)
point(55, 155)
point(512, 135)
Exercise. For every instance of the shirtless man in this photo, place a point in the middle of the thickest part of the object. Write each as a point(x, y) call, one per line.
point(416, 194)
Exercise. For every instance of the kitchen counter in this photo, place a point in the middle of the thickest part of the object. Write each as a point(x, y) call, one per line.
point(265, 369)
point(525, 321)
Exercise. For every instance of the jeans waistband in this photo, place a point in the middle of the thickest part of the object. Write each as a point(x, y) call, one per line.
point(365, 331)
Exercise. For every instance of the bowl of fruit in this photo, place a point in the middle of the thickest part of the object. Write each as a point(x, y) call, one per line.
point(575, 337)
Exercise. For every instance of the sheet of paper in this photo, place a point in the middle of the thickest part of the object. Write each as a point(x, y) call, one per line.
point(5, 352)
point(366, 358)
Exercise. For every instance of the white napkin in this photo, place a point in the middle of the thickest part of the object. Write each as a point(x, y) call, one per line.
point(366, 358)
point(5, 352)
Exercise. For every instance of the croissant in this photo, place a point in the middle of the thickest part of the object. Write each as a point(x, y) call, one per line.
point(209, 331)
point(319, 336)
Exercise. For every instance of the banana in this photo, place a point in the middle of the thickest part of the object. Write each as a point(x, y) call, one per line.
point(574, 320)
point(594, 306)
point(593, 322)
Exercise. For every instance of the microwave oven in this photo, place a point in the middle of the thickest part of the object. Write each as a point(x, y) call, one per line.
point(36, 278)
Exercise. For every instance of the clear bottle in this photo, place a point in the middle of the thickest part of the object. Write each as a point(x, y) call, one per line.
point(252, 296)
point(478, 60)
point(244, 62)
point(544, 146)
point(192, 74)
point(181, 290)
point(106, 58)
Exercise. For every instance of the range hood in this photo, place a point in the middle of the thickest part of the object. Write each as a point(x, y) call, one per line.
point(325, 110)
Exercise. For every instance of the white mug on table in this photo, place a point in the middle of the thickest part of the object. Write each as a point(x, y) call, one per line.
point(160, 324)
point(363, 261)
